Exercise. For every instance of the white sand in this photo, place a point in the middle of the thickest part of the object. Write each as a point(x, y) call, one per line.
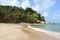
point(18, 32)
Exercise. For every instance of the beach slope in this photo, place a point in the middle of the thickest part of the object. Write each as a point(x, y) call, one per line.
point(21, 32)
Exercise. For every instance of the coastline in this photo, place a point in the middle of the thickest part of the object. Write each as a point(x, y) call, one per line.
point(45, 23)
point(22, 32)
point(53, 34)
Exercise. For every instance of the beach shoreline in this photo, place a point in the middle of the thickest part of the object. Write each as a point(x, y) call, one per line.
point(54, 34)
point(20, 32)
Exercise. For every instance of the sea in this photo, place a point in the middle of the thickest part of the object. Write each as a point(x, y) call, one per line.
point(50, 29)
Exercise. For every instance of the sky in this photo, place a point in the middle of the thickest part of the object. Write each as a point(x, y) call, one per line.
point(50, 9)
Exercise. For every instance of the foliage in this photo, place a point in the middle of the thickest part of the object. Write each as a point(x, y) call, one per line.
point(9, 14)
point(42, 18)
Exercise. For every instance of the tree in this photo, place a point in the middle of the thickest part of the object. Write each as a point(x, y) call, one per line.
point(33, 18)
point(13, 14)
point(42, 18)
point(27, 10)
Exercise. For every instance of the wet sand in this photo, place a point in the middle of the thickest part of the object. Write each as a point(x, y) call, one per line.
point(19, 32)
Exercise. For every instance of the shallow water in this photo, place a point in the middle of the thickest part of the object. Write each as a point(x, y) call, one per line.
point(50, 27)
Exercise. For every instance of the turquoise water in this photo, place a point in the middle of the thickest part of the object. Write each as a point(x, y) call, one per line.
point(51, 27)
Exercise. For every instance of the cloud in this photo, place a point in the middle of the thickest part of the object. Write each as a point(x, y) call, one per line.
point(36, 8)
point(56, 15)
point(14, 2)
point(25, 4)
point(39, 5)
point(45, 14)
point(9, 2)
point(43, 4)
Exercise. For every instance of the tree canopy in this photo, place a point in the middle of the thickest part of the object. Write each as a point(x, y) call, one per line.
point(9, 14)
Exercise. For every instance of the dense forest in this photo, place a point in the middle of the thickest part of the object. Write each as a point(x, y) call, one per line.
point(13, 14)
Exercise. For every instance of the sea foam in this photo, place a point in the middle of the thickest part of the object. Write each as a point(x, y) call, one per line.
point(53, 34)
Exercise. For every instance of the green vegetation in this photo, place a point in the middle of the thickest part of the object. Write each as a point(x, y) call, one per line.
point(9, 14)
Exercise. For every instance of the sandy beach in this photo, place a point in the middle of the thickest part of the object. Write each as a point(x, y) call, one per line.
point(19, 32)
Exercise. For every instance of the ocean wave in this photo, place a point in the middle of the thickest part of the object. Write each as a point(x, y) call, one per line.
point(54, 34)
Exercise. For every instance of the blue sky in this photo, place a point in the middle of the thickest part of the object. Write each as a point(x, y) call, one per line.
point(50, 9)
